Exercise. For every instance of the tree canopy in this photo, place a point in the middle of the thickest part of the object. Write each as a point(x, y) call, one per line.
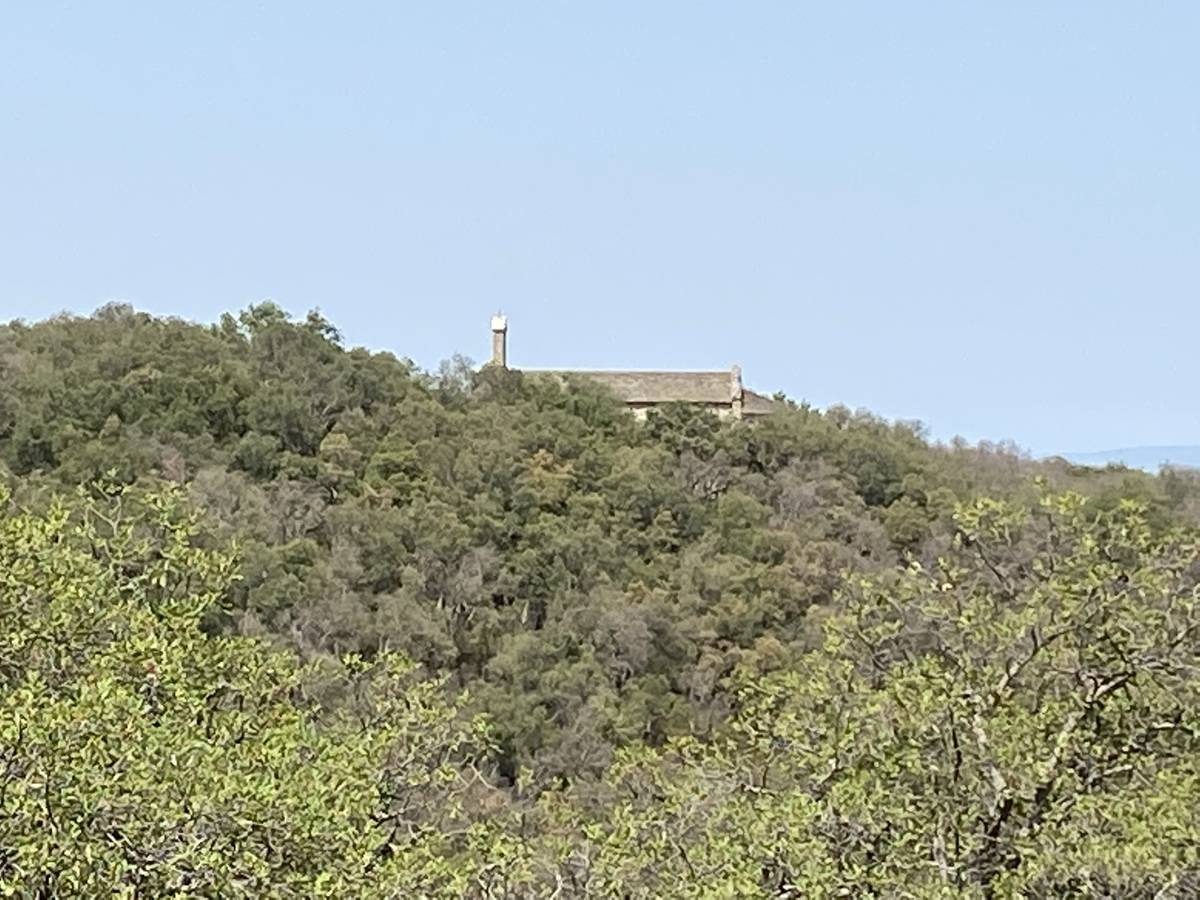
point(286, 618)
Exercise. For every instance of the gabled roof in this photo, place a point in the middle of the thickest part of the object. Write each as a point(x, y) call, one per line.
point(755, 404)
point(662, 387)
point(647, 388)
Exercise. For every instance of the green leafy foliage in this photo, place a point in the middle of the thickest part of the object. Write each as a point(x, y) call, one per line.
point(144, 758)
point(1021, 720)
point(320, 624)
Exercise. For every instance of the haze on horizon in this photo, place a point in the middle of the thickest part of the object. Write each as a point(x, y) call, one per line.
point(983, 218)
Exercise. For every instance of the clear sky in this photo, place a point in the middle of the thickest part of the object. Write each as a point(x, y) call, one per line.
point(980, 215)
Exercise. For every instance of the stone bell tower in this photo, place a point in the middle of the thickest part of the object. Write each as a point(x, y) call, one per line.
point(500, 341)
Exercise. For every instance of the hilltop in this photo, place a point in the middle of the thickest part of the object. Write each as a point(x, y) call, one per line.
point(806, 595)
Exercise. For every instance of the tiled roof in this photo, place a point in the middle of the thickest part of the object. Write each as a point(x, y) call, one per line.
point(713, 388)
point(662, 387)
point(754, 404)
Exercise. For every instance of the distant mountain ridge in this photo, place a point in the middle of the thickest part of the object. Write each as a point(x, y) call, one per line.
point(1149, 459)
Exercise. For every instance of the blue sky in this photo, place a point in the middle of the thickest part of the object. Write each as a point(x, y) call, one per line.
point(983, 216)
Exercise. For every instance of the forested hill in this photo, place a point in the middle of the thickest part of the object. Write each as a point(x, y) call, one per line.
point(591, 578)
point(597, 585)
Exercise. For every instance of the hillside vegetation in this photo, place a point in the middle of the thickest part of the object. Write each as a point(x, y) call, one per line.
point(279, 617)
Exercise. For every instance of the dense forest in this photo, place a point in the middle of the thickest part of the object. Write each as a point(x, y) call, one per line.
point(283, 618)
